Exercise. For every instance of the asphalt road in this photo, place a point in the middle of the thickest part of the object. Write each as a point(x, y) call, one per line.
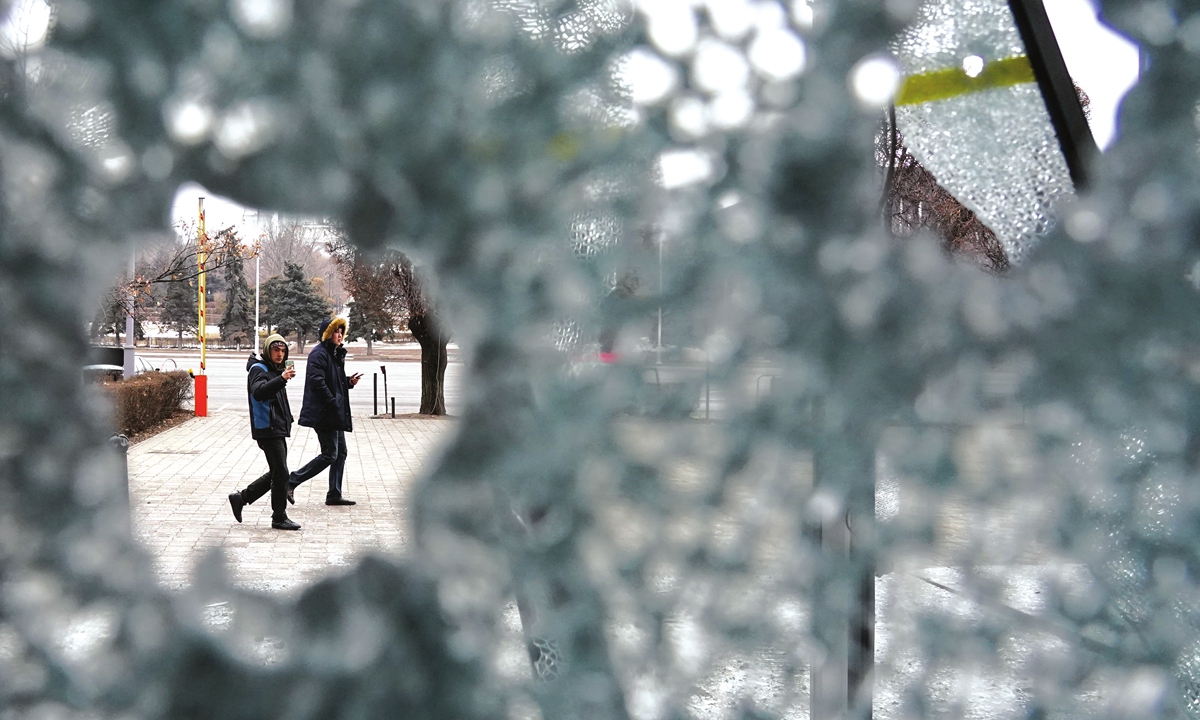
point(227, 380)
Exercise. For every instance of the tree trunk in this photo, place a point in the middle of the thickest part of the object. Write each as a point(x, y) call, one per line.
point(180, 340)
point(369, 344)
point(427, 331)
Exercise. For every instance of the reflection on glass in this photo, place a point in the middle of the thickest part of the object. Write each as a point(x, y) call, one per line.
point(971, 111)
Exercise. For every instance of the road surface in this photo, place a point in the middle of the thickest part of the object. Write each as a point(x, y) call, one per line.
point(227, 380)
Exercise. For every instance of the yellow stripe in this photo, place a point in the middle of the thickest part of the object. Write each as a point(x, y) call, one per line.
point(952, 82)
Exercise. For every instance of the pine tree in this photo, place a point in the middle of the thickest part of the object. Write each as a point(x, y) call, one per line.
point(369, 323)
point(237, 323)
point(102, 322)
point(293, 305)
point(179, 310)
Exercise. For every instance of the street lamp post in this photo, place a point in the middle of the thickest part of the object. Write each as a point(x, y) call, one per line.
point(257, 254)
point(130, 340)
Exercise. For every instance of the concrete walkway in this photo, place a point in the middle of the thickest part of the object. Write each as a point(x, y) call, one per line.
point(179, 481)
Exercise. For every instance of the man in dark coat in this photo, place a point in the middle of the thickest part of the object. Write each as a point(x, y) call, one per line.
point(270, 426)
point(326, 410)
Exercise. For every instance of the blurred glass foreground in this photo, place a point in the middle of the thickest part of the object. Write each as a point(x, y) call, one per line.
point(817, 443)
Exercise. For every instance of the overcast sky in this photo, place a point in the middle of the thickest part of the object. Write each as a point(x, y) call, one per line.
point(1100, 61)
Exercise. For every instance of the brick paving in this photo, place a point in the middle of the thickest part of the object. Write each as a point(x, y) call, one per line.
point(180, 479)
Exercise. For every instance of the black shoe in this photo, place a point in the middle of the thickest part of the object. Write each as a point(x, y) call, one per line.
point(291, 495)
point(285, 524)
point(339, 501)
point(237, 503)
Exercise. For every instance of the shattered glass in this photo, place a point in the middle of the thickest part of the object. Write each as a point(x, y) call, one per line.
point(853, 476)
point(994, 149)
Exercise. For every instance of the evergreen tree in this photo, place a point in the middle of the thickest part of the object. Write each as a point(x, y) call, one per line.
point(293, 305)
point(102, 322)
point(237, 323)
point(179, 310)
point(110, 317)
point(369, 323)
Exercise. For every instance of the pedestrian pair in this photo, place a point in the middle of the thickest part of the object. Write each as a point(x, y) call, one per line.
point(326, 409)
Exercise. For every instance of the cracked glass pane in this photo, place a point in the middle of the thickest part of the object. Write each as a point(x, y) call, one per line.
point(970, 110)
point(723, 447)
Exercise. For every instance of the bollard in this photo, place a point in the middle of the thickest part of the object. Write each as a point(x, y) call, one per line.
point(200, 395)
point(383, 371)
point(120, 446)
point(393, 408)
point(374, 393)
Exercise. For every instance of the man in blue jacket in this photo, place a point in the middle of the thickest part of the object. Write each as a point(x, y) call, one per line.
point(326, 410)
point(270, 426)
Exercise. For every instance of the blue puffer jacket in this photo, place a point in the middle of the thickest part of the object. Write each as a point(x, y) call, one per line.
point(266, 390)
point(326, 389)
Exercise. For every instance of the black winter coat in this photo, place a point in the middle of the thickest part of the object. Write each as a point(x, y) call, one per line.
point(326, 389)
point(266, 390)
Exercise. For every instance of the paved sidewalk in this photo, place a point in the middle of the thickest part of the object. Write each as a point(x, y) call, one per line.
point(179, 481)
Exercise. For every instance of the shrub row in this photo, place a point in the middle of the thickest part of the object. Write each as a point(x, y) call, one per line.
point(147, 399)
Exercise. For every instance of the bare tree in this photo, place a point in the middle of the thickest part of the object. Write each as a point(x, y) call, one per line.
point(180, 261)
point(389, 283)
point(301, 243)
point(377, 307)
point(913, 200)
point(159, 265)
point(428, 328)
point(29, 25)
point(286, 241)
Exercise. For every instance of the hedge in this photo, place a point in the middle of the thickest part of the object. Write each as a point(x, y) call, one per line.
point(147, 399)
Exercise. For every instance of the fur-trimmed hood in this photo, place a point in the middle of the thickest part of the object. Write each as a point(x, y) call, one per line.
point(329, 326)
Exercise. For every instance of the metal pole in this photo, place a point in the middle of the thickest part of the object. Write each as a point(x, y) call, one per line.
point(842, 682)
point(256, 258)
point(662, 237)
point(393, 408)
point(130, 340)
point(1058, 89)
point(119, 444)
point(374, 393)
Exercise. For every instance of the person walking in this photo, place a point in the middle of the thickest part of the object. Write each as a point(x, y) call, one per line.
point(270, 426)
point(326, 409)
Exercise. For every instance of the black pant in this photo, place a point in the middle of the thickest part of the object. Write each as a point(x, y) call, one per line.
point(333, 456)
point(274, 479)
